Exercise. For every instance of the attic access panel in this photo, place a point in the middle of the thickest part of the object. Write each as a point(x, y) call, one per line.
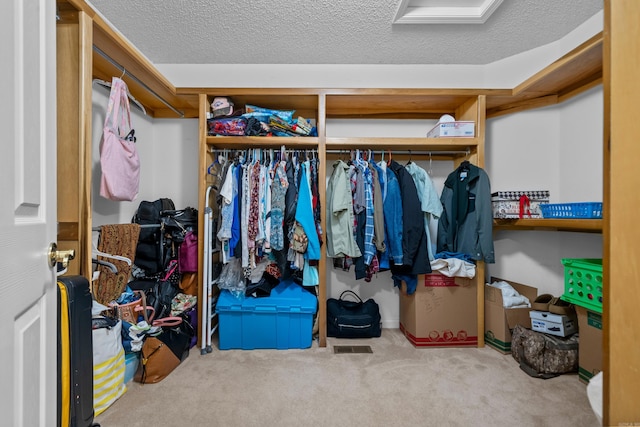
point(445, 11)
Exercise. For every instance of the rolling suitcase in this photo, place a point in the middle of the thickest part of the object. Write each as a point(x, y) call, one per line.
point(75, 353)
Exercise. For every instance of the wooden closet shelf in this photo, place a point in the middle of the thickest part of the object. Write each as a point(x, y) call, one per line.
point(550, 224)
point(463, 145)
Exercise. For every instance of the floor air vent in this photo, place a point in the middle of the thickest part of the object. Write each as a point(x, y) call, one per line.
point(351, 349)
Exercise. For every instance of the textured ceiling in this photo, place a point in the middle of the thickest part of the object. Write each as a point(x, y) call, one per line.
point(332, 32)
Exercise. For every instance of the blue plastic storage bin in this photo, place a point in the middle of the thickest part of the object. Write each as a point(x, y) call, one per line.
point(281, 321)
point(131, 366)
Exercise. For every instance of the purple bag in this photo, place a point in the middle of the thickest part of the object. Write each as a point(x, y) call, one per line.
point(188, 253)
point(191, 316)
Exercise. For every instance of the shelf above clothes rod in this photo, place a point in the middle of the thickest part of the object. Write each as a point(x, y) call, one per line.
point(138, 81)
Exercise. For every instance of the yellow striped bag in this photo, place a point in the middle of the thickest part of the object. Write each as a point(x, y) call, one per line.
point(108, 367)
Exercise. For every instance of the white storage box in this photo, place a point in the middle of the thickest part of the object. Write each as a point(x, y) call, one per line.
point(452, 129)
point(506, 204)
point(554, 324)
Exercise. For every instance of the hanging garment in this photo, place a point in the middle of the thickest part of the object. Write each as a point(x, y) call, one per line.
point(226, 196)
point(339, 216)
point(118, 154)
point(279, 188)
point(378, 212)
point(414, 237)
point(429, 200)
point(304, 215)
point(369, 229)
point(393, 218)
point(466, 224)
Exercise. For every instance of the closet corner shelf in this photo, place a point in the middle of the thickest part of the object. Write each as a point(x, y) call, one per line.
point(242, 142)
point(575, 225)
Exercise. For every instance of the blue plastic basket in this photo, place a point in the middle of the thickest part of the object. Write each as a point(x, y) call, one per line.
point(572, 210)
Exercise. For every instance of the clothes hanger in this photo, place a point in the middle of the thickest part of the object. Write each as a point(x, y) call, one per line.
point(95, 253)
point(108, 264)
point(107, 85)
point(430, 171)
point(111, 256)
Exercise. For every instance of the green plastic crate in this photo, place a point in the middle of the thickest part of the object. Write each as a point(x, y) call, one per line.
point(583, 282)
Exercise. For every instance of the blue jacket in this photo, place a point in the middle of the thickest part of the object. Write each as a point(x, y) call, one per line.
point(393, 218)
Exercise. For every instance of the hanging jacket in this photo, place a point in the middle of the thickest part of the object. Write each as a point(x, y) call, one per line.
point(429, 201)
point(393, 218)
point(291, 197)
point(339, 214)
point(466, 224)
point(414, 238)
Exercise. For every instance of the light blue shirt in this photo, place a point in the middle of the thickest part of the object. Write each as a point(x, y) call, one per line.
point(429, 200)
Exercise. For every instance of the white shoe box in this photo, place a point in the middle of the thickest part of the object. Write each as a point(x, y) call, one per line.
point(551, 323)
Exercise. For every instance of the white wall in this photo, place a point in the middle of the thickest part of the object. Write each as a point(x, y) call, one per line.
point(559, 149)
point(168, 150)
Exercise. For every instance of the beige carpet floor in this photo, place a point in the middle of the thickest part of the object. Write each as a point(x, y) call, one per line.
point(396, 385)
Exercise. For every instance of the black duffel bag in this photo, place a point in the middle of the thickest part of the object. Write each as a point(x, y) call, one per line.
point(353, 319)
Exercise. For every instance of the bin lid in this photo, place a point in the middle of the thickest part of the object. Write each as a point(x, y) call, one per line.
point(288, 296)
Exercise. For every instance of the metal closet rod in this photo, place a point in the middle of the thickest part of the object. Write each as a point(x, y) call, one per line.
point(99, 227)
point(417, 152)
point(147, 88)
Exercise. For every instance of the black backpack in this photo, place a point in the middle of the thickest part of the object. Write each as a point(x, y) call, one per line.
point(152, 252)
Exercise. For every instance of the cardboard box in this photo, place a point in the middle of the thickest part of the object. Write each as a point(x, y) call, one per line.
point(452, 129)
point(441, 313)
point(498, 320)
point(553, 324)
point(281, 321)
point(590, 351)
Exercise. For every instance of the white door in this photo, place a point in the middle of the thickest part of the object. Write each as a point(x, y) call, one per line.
point(27, 213)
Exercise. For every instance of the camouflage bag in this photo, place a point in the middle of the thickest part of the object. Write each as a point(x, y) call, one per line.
point(542, 355)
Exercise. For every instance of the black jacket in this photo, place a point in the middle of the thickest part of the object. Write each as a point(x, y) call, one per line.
point(414, 237)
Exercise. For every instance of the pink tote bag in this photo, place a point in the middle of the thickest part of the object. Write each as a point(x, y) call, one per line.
point(118, 154)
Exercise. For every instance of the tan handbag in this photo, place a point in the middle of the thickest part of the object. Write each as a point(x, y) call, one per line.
point(189, 283)
point(156, 361)
point(129, 312)
point(161, 354)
